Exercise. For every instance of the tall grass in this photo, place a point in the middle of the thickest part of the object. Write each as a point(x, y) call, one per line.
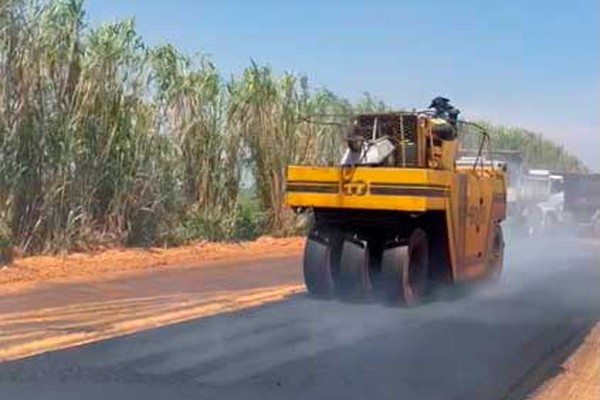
point(267, 112)
point(105, 140)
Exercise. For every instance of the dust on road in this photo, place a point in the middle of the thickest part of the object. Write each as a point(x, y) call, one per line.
point(480, 344)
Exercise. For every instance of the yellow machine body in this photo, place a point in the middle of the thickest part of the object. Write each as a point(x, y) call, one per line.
point(440, 211)
point(472, 200)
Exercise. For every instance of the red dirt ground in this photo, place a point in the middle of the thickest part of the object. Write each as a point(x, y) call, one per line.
point(580, 378)
point(30, 272)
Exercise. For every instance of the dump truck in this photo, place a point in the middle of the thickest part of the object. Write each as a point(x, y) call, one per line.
point(541, 200)
point(401, 212)
point(582, 202)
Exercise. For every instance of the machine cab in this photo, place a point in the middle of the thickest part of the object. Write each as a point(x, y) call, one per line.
point(404, 140)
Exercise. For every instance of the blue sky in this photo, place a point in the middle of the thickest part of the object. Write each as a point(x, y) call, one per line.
point(528, 63)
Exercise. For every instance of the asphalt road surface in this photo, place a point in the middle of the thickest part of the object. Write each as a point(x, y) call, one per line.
point(489, 341)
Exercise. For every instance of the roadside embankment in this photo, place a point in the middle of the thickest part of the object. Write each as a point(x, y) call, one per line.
point(31, 272)
point(579, 378)
point(52, 303)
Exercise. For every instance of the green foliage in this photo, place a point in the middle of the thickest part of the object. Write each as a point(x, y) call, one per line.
point(6, 246)
point(368, 104)
point(249, 218)
point(538, 152)
point(267, 113)
point(202, 224)
point(245, 223)
point(103, 139)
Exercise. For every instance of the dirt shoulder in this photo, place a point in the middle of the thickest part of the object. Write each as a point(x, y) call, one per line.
point(53, 317)
point(32, 272)
point(580, 375)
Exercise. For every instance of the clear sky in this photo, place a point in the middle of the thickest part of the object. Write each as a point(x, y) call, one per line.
point(529, 63)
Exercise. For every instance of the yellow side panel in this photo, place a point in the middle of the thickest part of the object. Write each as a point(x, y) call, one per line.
point(415, 190)
point(367, 202)
point(368, 174)
point(473, 200)
point(483, 206)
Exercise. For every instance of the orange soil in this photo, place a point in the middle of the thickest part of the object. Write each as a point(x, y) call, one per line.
point(580, 379)
point(25, 334)
point(29, 272)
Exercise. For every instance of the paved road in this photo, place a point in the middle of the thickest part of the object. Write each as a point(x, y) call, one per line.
point(62, 315)
point(487, 342)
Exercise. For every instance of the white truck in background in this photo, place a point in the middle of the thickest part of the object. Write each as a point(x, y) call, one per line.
point(541, 202)
point(582, 203)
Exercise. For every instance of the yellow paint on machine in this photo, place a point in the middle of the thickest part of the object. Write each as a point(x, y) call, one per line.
point(383, 175)
point(472, 199)
point(373, 202)
point(420, 183)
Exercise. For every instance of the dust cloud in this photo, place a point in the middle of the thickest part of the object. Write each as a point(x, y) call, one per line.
point(545, 282)
point(471, 341)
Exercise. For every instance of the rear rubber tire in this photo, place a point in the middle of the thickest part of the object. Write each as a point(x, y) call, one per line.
point(404, 277)
point(321, 252)
point(353, 280)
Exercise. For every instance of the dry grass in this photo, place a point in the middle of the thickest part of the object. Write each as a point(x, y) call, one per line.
point(104, 140)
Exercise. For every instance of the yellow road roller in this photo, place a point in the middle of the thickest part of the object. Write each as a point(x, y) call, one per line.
point(400, 212)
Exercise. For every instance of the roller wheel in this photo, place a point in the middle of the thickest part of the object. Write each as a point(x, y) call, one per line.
point(404, 277)
point(353, 279)
point(496, 252)
point(320, 254)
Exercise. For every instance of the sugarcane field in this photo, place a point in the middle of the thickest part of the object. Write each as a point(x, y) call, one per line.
point(299, 200)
